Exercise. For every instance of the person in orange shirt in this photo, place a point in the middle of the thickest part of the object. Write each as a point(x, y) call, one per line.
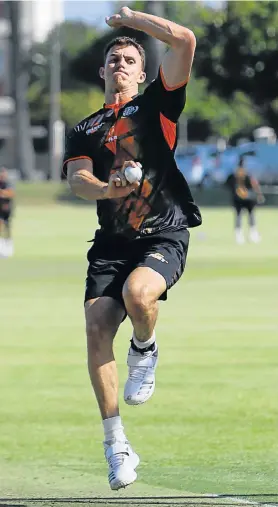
point(140, 249)
point(246, 194)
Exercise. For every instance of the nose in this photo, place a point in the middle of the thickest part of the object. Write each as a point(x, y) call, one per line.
point(121, 62)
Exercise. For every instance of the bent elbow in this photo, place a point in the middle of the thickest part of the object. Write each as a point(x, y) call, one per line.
point(72, 182)
point(187, 40)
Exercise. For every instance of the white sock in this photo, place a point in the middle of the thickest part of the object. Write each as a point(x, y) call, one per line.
point(143, 345)
point(113, 429)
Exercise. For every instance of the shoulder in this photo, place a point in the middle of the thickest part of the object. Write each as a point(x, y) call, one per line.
point(86, 123)
point(160, 83)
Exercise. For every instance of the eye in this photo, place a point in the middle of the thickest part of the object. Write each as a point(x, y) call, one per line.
point(130, 61)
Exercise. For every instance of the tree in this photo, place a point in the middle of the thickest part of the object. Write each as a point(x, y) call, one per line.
point(208, 112)
point(238, 53)
point(86, 65)
point(74, 36)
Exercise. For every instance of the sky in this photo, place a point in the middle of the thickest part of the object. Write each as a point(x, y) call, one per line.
point(92, 12)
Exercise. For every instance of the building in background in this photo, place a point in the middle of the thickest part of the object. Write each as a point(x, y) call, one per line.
point(6, 101)
point(36, 18)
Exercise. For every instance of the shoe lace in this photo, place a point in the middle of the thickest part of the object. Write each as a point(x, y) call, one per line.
point(137, 373)
point(117, 460)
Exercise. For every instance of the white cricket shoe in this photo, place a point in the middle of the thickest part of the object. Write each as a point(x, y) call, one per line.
point(6, 247)
point(240, 237)
point(254, 235)
point(122, 461)
point(2, 247)
point(9, 248)
point(140, 384)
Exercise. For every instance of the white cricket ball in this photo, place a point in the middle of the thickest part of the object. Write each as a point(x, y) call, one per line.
point(133, 174)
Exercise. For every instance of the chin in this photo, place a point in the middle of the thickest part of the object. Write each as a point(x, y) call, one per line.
point(119, 85)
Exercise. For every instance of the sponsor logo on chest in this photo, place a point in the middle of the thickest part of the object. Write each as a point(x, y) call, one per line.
point(129, 111)
point(94, 129)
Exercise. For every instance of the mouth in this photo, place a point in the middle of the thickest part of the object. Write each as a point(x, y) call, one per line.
point(120, 72)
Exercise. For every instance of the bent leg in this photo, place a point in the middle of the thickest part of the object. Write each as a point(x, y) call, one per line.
point(103, 317)
point(238, 224)
point(160, 267)
point(141, 292)
point(254, 235)
point(251, 215)
point(238, 217)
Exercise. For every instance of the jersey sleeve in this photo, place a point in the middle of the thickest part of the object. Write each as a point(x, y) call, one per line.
point(75, 147)
point(169, 100)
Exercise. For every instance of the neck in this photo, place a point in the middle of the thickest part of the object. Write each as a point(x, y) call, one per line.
point(117, 97)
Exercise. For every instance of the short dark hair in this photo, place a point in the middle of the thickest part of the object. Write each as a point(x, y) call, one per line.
point(126, 41)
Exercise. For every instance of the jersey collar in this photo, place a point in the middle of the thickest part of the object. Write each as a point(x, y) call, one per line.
point(120, 104)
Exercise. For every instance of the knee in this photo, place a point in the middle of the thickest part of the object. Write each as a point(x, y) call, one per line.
point(138, 299)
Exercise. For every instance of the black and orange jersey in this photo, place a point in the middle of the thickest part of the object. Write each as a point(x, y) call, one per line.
point(143, 129)
point(5, 201)
point(240, 188)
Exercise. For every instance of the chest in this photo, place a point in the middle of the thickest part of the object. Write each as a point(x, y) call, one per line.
point(113, 137)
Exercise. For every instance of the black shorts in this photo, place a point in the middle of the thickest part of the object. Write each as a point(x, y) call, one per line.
point(5, 215)
point(111, 261)
point(248, 204)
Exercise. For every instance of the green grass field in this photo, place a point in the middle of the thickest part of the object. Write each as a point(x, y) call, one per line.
point(211, 426)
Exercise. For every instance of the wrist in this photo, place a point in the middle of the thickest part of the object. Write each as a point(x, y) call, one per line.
point(128, 20)
point(103, 192)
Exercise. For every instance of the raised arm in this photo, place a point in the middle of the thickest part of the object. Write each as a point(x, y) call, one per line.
point(177, 62)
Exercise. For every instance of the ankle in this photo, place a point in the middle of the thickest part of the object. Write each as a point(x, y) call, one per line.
point(143, 346)
point(113, 430)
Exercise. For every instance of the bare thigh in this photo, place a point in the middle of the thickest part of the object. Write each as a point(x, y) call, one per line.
point(103, 316)
point(144, 286)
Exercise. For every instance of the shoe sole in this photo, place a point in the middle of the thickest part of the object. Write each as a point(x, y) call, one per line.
point(116, 484)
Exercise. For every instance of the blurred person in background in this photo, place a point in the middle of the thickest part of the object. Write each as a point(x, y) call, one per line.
point(140, 250)
point(6, 204)
point(246, 194)
point(197, 171)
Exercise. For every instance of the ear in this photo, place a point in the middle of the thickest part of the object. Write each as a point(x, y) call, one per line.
point(101, 72)
point(142, 77)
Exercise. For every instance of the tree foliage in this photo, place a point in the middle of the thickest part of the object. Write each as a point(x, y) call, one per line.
point(76, 98)
point(238, 52)
point(234, 82)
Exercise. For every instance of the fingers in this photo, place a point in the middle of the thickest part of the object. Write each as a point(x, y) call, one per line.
point(131, 163)
point(113, 20)
point(119, 179)
point(119, 187)
point(118, 19)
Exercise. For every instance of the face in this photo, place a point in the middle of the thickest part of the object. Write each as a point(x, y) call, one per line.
point(241, 172)
point(3, 174)
point(123, 68)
